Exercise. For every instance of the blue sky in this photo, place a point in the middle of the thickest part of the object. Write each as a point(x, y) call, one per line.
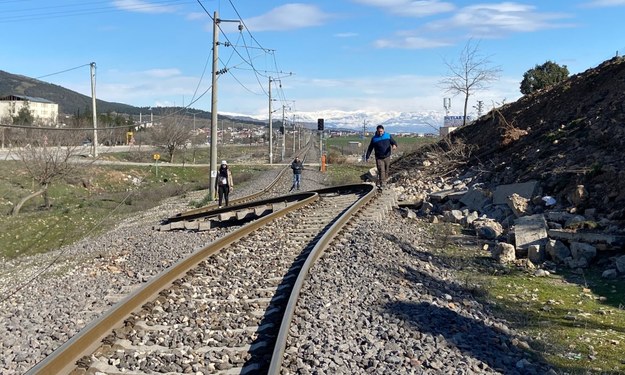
point(344, 55)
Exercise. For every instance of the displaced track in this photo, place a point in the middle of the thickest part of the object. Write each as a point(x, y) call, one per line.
point(221, 309)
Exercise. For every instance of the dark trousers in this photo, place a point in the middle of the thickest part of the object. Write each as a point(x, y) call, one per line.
point(383, 166)
point(223, 191)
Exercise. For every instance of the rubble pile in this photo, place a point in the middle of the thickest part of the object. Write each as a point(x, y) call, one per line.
point(541, 179)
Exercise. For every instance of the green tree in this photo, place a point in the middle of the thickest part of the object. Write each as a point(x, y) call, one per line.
point(542, 76)
point(24, 116)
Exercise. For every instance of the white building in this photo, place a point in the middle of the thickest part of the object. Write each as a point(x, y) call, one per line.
point(451, 123)
point(44, 111)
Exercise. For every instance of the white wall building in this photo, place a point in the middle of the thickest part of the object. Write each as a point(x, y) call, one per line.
point(451, 123)
point(44, 111)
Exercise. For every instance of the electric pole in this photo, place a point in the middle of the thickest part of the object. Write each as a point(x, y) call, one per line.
point(283, 134)
point(95, 115)
point(213, 146)
point(213, 154)
point(479, 107)
point(294, 134)
point(270, 127)
point(364, 133)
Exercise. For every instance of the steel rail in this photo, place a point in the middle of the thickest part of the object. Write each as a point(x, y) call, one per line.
point(278, 352)
point(63, 359)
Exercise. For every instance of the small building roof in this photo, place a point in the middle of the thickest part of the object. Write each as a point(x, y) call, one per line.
point(24, 98)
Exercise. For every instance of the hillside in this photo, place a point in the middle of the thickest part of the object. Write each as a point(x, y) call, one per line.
point(71, 102)
point(571, 134)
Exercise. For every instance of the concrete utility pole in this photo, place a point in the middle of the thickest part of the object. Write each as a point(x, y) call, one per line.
point(294, 134)
point(364, 133)
point(271, 120)
point(213, 147)
point(193, 139)
point(213, 157)
point(283, 134)
point(270, 127)
point(95, 115)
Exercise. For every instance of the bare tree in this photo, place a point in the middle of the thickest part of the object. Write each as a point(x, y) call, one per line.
point(471, 72)
point(173, 133)
point(47, 159)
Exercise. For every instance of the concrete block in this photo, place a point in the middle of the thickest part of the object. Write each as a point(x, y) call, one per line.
point(451, 194)
point(476, 199)
point(190, 225)
point(613, 241)
point(525, 189)
point(530, 230)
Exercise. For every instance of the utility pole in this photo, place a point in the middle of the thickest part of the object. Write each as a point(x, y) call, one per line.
point(213, 146)
point(364, 133)
point(271, 120)
point(95, 115)
point(294, 134)
point(193, 139)
point(283, 134)
point(213, 157)
point(479, 107)
point(270, 127)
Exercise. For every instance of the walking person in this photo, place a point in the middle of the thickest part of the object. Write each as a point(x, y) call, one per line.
point(223, 183)
point(297, 166)
point(383, 144)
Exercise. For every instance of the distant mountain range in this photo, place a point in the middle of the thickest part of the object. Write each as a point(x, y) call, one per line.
point(394, 122)
point(71, 103)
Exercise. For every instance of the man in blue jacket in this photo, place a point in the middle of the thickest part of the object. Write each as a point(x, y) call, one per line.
point(383, 144)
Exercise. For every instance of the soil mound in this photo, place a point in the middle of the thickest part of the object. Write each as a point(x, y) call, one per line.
point(568, 135)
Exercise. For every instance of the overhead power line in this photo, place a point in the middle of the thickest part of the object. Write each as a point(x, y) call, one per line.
point(78, 9)
point(63, 71)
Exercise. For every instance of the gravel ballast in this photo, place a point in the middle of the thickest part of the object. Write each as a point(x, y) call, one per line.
point(377, 302)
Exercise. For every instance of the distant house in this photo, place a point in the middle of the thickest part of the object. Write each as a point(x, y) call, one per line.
point(451, 123)
point(44, 111)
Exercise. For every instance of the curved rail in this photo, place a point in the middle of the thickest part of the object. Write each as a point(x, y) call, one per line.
point(64, 359)
point(316, 252)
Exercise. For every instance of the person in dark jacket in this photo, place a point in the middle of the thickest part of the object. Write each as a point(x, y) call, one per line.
point(383, 144)
point(223, 182)
point(297, 166)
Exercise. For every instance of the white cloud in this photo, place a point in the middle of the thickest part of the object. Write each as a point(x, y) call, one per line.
point(478, 20)
point(142, 6)
point(162, 73)
point(288, 17)
point(197, 16)
point(410, 8)
point(345, 35)
point(489, 20)
point(604, 3)
point(410, 42)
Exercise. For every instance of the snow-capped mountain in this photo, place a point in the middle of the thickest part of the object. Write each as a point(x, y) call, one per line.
point(394, 122)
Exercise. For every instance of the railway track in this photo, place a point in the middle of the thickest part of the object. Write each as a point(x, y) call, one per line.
point(226, 308)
